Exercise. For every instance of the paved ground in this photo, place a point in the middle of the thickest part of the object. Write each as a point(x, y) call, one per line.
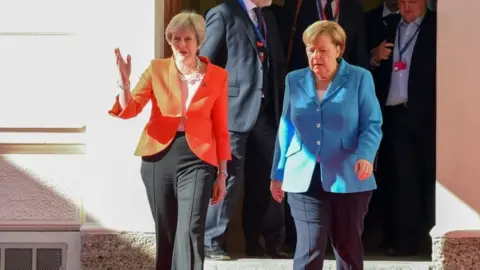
point(270, 264)
point(375, 260)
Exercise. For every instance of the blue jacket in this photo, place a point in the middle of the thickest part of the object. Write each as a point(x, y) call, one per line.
point(339, 130)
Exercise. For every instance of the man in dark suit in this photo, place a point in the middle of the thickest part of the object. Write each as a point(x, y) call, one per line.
point(381, 27)
point(244, 39)
point(406, 89)
point(299, 14)
point(380, 22)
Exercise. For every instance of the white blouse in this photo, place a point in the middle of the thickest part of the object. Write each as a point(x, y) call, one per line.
point(189, 85)
point(320, 94)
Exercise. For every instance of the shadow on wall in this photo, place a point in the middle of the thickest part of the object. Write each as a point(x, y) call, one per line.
point(38, 188)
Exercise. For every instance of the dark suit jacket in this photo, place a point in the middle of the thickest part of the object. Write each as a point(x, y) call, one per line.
point(231, 42)
point(351, 18)
point(380, 28)
point(422, 77)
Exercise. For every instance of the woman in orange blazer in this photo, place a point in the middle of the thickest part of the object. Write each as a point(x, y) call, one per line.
point(185, 145)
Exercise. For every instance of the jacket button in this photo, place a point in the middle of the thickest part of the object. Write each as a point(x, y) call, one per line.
point(318, 142)
point(318, 125)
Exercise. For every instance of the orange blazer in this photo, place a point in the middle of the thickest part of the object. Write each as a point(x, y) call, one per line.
point(205, 120)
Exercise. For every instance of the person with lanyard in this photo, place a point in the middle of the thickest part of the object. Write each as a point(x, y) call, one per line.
point(406, 89)
point(381, 24)
point(295, 17)
point(242, 36)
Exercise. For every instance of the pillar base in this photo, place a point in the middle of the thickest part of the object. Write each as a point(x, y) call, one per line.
point(455, 250)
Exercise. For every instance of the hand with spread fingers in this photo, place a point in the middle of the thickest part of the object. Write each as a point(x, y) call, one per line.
point(364, 169)
point(276, 189)
point(124, 66)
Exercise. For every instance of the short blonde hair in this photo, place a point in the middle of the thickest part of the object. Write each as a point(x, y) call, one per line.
point(329, 28)
point(186, 20)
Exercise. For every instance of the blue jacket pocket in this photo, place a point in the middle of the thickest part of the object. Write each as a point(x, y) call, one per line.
point(295, 147)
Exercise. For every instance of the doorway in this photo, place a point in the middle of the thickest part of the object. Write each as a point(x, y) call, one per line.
point(373, 228)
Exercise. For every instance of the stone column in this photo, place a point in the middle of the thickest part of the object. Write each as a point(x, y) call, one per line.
point(456, 236)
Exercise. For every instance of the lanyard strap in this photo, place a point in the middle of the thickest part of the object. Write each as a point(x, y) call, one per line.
point(257, 30)
point(321, 11)
point(402, 50)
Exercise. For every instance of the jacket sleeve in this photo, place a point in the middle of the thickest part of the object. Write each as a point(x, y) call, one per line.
point(220, 124)
point(370, 126)
point(215, 41)
point(140, 96)
point(284, 137)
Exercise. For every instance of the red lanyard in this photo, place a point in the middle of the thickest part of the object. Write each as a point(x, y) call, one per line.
point(321, 11)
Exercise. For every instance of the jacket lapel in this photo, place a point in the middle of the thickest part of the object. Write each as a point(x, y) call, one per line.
point(344, 16)
point(174, 95)
point(201, 95)
point(247, 23)
point(419, 43)
point(338, 81)
point(308, 85)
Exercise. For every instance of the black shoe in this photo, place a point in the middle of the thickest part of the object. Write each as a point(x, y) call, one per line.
point(394, 252)
point(217, 254)
point(289, 249)
point(277, 255)
point(385, 245)
point(276, 252)
point(254, 249)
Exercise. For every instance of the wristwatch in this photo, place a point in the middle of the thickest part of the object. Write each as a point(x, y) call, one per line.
point(224, 172)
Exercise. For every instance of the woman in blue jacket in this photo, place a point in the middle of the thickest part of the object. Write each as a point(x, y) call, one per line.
point(328, 137)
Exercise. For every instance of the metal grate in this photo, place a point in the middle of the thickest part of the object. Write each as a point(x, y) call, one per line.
point(18, 258)
point(32, 256)
point(49, 258)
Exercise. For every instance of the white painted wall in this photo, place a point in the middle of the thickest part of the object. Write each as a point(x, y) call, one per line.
point(57, 70)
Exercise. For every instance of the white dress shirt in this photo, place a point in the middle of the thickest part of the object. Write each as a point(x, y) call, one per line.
point(250, 6)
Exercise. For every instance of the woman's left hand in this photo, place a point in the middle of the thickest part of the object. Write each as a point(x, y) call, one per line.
point(363, 168)
point(219, 189)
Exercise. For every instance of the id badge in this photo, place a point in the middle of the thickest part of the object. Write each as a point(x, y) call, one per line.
point(262, 56)
point(399, 65)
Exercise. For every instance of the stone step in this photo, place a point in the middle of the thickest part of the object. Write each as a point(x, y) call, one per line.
point(279, 264)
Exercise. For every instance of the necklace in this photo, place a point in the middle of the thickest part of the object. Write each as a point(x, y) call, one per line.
point(193, 76)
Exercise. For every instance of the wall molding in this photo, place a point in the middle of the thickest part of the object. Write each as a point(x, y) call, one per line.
point(39, 148)
point(35, 226)
point(81, 129)
point(42, 140)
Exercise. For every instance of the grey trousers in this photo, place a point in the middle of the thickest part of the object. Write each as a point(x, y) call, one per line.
point(179, 187)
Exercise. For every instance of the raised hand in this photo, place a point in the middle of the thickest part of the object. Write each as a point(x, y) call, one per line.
point(124, 67)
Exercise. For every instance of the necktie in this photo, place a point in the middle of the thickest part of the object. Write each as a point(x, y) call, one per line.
point(328, 11)
point(258, 13)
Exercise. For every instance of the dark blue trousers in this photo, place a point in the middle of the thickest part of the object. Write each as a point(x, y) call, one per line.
point(320, 215)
